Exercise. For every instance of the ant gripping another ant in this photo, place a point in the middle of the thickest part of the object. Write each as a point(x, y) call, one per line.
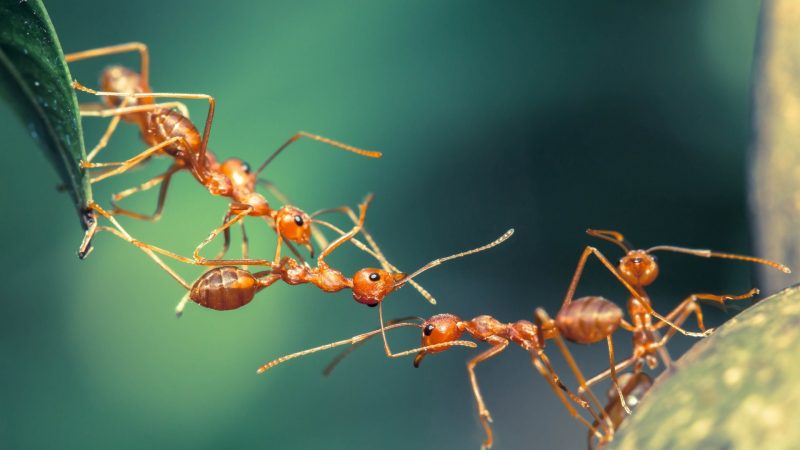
point(128, 97)
point(226, 288)
point(443, 331)
point(585, 320)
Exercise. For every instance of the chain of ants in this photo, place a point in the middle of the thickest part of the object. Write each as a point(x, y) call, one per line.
point(166, 128)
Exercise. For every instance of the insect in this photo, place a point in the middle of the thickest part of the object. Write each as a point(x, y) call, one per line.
point(634, 386)
point(442, 329)
point(637, 269)
point(128, 97)
point(226, 288)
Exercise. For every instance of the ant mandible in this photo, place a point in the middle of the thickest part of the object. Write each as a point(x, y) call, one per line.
point(128, 96)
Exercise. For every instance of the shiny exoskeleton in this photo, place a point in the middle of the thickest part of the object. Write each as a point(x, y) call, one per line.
point(169, 132)
point(369, 285)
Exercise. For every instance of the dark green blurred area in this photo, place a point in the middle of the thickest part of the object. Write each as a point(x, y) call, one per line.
point(548, 118)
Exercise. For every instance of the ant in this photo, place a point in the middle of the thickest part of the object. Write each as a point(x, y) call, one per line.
point(634, 386)
point(440, 332)
point(226, 288)
point(585, 320)
point(637, 269)
point(128, 96)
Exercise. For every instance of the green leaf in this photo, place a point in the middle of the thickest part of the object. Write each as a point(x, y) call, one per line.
point(736, 389)
point(35, 80)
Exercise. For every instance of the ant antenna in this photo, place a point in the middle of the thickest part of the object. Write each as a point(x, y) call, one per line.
point(711, 254)
point(367, 153)
point(344, 353)
point(356, 339)
point(352, 341)
point(611, 236)
point(436, 262)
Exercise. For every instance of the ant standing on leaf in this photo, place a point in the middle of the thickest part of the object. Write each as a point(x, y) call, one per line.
point(128, 97)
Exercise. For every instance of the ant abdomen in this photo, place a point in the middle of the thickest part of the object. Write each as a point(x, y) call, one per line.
point(224, 288)
point(165, 124)
point(588, 319)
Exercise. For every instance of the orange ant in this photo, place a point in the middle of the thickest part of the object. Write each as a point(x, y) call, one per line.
point(440, 332)
point(225, 288)
point(128, 97)
point(634, 386)
point(599, 318)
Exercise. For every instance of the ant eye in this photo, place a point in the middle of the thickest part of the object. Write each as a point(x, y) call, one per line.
point(246, 167)
point(655, 258)
point(374, 277)
point(298, 220)
point(428, 329)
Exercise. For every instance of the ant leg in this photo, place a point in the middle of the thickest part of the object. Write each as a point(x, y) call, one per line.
point(376, 251)
point(120, 231)
point(127, 165)
point(498, 345)
point(144, 64)
point(201, 154)
point(301, 134)
point(556, 380)
point(226, 236)
point(548, 376)
point(183, 259)
point(582, 387)
point(245, 244)
point(162, 195)
point(589, 251)
point(694, 299)
point(242, 211)
point(112, 126)
point(606, 373)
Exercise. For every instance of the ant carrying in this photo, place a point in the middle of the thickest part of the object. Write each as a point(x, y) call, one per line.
point(128, 97)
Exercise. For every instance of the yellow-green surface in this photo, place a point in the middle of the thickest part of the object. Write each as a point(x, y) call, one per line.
point(735, 390)
point(547, 117)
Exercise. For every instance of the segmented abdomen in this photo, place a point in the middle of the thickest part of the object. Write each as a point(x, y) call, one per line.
point(224, 288)
point(588, 319)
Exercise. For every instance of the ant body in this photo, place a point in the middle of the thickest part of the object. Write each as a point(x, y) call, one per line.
point(442, 330)
point(637, 269)
point(226, 288)
point(128, 97)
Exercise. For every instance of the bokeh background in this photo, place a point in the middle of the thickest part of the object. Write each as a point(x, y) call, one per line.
point(550, 118)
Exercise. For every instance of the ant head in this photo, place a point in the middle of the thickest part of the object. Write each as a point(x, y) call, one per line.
point(294, 224)
point(370, 286)
point(219, 184)
point(240, 174)
point(439, 329)
point(639, 268)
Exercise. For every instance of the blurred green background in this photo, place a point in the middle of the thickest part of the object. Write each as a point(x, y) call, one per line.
point(550, 118)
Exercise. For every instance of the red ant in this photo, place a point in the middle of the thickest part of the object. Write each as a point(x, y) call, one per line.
point(225, 288)
point(585, 320)
point(634, 386)
point(128, 97)
point(441, 331)
point(637, 269)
